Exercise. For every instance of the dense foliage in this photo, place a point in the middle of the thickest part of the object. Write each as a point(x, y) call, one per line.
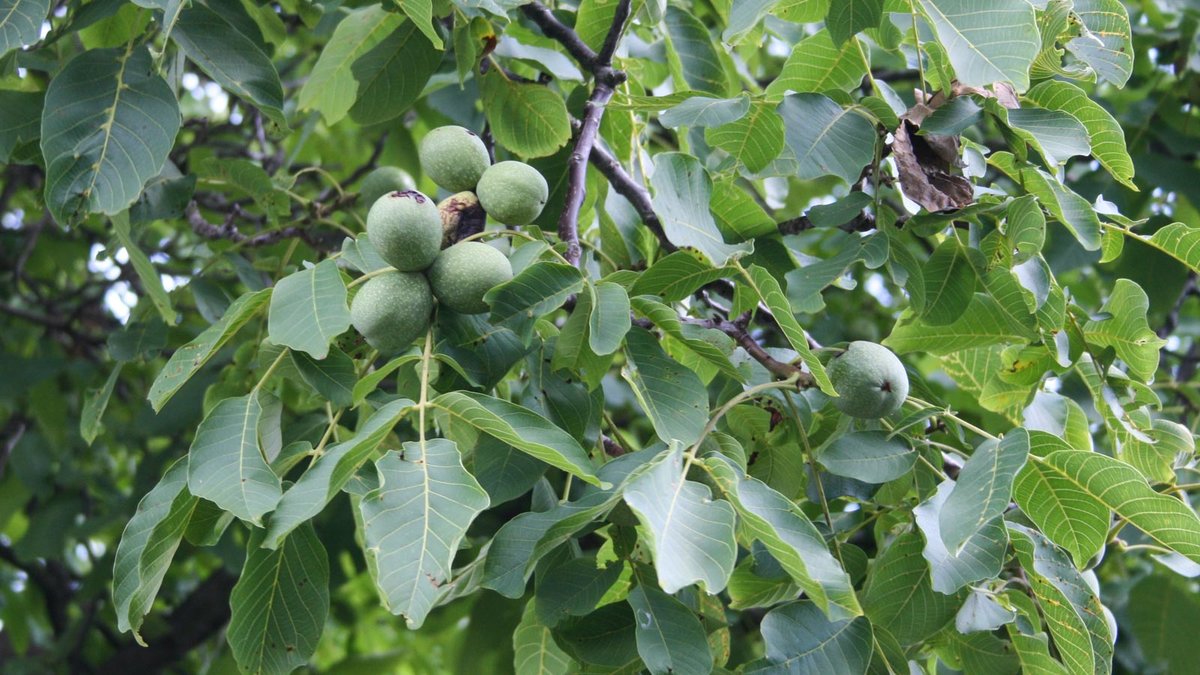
point(636, 458)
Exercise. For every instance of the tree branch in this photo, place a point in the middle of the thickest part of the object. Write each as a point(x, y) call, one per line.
point(606, 78)
point(734, 329)
point(229, 232)
point(631, 190)
point(195, 620)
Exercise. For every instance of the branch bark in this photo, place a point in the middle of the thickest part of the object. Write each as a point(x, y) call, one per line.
point(606, 79)
point(204, 612)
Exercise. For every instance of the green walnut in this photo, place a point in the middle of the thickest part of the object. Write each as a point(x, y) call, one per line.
point(869, 379)
point(454, 158)
point(392, 309)
point(381, 181)
point(465, 272)
point(513, 193)
point(406, 229)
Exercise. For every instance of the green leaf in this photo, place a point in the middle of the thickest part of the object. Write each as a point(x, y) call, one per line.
point(191, 357)
point(147, 546)
point(1025, 227)
point(767, 290)
point(799, 639)
point(738, 216)
point(20, 119)
point(980, 556)
point(953, 118)
point(949, 283)
point(413, 523)
point(817, 64)
point(109, 122)
point(1072, 610)
point(1056, 135)
point(667, 320)
point(534, 649)
point(704, 111)
point(983, 323)
point(279, 604)
point(801, 11)
point(308, 309)
point(690, 535)
point(1126, 329)
point(573, 588)
point(871, 456)
point(1052, 501)
point(334, 87)
point(1067, 207)
point(899, 596)
point(983, 488)
point(21, 23)
point(755, 139)
point(849, 17)
point(536, 290)
point(1106, 139)
point(609, 320)
point(231, 58)
point(1120, 487)
point(1156, 460)
point(333, 378)
point(982, 613)
point(1162, 611)
point(790, 536)
point(149, 276)
point(420, 13)
point(331, 471)
point(678, 275)
point(682, 191)
point(528, 119)
point(392, 74)
point(504, 471)
point(243, 176)
point(670, 638)
point(806, 284)
point(94, 405)
point(604, 640)
point(1033, 652)
point(825, 138)
point(523, 541)
point(1177, 240)
point(744, 17)
point(689, 39)
point(1106, 44)
point(226, 464)
point(370, 382)
point(988, 41)
point(672, 395)
point(521, 428)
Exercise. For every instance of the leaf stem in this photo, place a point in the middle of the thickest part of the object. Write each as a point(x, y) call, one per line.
point(370, 275)
point(270, 371)
point(816, 474)
point(729, 405)
point(945, 412)
point(426, 357)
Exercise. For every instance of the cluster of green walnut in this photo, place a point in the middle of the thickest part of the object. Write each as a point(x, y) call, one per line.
point(869, 379)
point(416, 237)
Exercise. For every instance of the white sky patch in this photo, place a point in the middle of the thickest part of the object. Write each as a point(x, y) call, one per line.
point(12, 220)
point(877, 287)
point(120, 301)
